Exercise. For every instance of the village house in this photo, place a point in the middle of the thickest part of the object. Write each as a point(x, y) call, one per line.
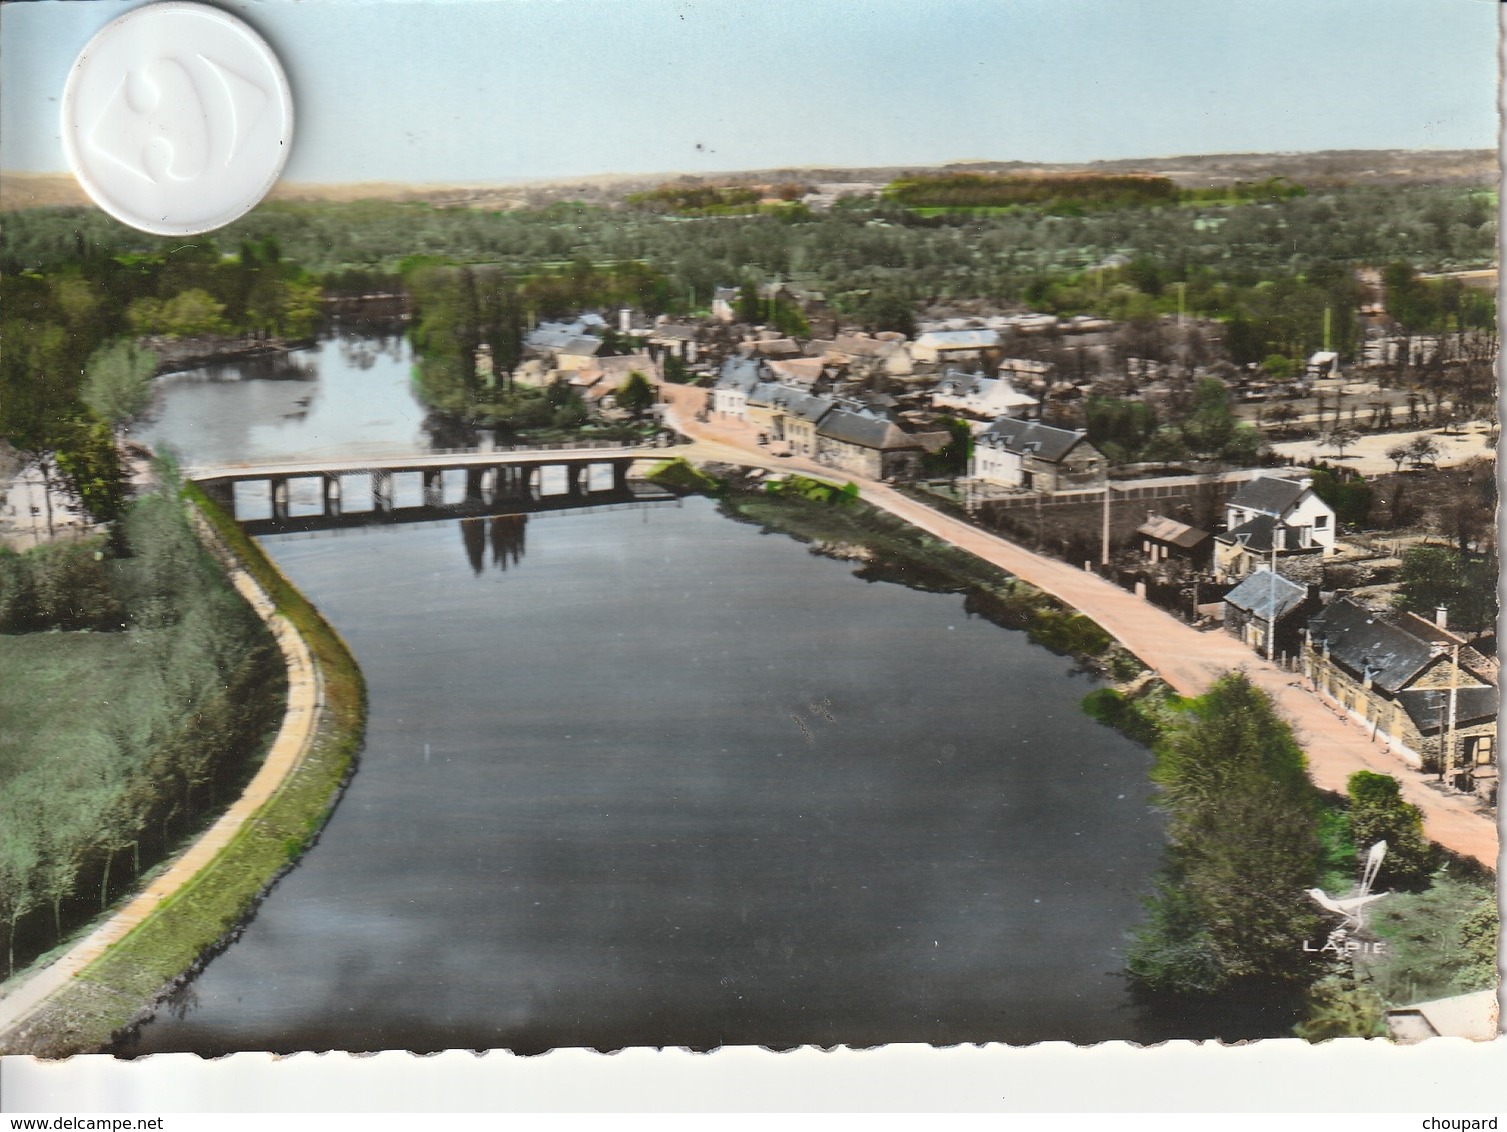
point(597, 378)
point(954, 346)
point(1418, 687)
point(1268, 518)
point(736, 380)
point(889, 355)
point(1167, 540)
point(561, 345)
point(760, 406)
point(676, 338)
point(1035, 457)
point(867, 445)
point(1269, 613)
point(773, 348)
point(802, 372)
point(725, 304)
point(982, 398)
point(796, 417)
point(1025, 373)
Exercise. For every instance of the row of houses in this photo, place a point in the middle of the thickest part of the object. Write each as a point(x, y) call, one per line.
point(848, 434)
point(1420, 689)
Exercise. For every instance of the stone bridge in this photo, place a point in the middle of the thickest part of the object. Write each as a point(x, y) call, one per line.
point(321, 494)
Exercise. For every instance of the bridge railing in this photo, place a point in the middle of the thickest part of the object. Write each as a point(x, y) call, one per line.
point(664, 440)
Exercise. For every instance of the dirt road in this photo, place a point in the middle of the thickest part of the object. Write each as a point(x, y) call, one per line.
point(1188, 659)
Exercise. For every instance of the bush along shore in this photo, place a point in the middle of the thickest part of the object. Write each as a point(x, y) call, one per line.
point(1233, 947)
point(124, 987)
point(833, 521)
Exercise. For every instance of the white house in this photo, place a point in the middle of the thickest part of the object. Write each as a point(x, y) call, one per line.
point(982, 398)
point(1270, 516)
point(737, 378)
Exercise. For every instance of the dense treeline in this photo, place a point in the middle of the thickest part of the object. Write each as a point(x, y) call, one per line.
point(697, 199)
point(69, 372)
point(460, 311)
point(1065, 194)
point(853, 252)
point(135, 657)
point(1200, 424)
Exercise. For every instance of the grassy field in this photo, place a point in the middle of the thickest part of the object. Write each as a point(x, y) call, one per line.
point(123, 987)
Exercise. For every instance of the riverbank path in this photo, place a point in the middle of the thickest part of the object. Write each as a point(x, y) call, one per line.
point(1188, 659)
point(294, 738)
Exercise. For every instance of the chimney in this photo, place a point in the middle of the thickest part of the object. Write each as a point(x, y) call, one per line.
point(1441, 617)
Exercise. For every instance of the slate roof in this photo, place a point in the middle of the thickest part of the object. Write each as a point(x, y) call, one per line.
point(1164, 529)
point(1266, 595)
point(1031, 437)
point(1253, 534)
point(740, 373)
point(864, 431)
point(1426, 707)
point(804, 406)
point(1267, 495)
point(1361, 641)
point(765, 393)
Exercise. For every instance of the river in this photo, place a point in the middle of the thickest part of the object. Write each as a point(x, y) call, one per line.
point(651, 776)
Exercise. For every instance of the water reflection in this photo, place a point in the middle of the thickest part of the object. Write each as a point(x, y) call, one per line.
point(506, 535)
point(350, 395)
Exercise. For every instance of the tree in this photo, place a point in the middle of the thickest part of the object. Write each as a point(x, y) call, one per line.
point(118, 381)
point(1397, 454)
point(1243, 847)
point(1429, 578)
point(748, 302)
point(1346, 491)
point(1423, 450)
point(89, 467)
point(635, 394)
point(1466, 586)
point(18, 890)
point(1378, 813)
point(1342, 438)
point(1341, 1006)
point(952, 458)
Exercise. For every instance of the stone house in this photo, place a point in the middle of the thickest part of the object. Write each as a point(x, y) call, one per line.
point(1035, 457)
point(1419, 688)
point(797, 417)
point(1269, 613)
point(867, 445)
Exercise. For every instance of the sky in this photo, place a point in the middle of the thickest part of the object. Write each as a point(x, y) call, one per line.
point(511, 90)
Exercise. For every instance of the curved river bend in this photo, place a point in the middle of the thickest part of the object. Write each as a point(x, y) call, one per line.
point(652, 777)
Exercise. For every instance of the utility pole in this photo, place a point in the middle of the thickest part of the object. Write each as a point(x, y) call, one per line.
point(1104, 548)
point(1271, 588)
point(1447, 762)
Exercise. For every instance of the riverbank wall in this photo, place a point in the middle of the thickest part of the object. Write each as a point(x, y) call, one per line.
point(118, 975)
